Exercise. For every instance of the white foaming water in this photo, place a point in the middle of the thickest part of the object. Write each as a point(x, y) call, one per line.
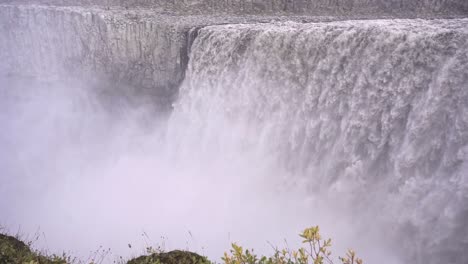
point(359, 126)
point(369, 117)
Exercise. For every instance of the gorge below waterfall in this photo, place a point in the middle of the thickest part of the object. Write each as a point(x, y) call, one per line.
point(194, 124)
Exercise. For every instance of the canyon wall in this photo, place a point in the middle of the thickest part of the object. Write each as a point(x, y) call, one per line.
point(347, 7)
point(143, 55)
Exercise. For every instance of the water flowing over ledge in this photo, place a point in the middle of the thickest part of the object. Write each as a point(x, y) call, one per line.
point(373, 112)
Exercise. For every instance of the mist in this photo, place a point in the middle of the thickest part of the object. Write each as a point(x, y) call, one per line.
point(83, 177)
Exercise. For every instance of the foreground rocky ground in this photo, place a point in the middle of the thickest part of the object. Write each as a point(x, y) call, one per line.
point(13, 251)
point(316, 250)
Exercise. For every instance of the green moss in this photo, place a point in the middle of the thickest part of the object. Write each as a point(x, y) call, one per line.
point(13, 250)
point(173, 257)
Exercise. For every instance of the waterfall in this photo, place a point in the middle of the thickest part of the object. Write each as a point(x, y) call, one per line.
point(372, 115)
point(359, 126)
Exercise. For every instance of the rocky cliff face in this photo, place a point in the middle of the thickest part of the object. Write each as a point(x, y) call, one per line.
point(393, 7)
point(57, 43)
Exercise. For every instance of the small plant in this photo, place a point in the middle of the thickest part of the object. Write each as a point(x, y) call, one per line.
point(317, 252)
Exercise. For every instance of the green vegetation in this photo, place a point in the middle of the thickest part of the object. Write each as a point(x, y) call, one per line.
point(173, 257)
point(315, 250)
point(13, 251)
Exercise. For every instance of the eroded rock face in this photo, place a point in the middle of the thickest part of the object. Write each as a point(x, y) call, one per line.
point(292, 6)
point(57, 43)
